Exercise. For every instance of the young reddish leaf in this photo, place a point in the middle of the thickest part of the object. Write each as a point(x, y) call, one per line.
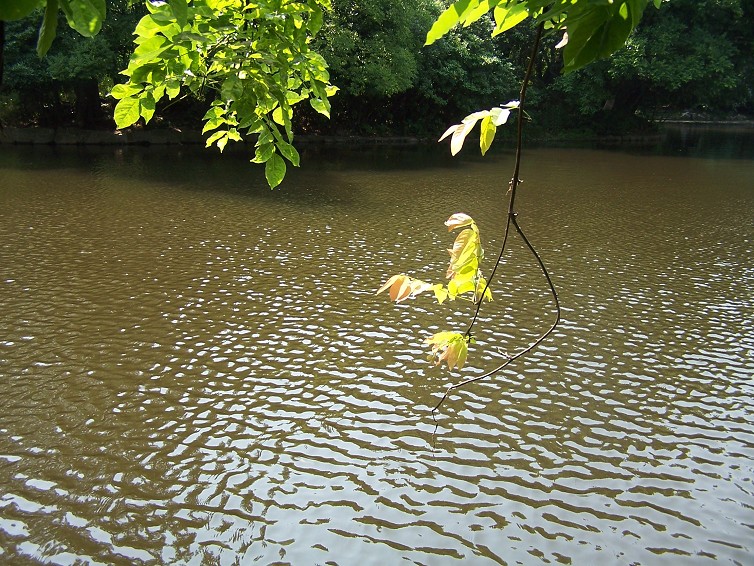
point(389, 282)
point(458, 220)
point(402, 287)
point(401, 292)
point(449, 347)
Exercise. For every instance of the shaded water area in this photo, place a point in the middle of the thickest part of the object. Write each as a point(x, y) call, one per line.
point(195, 370)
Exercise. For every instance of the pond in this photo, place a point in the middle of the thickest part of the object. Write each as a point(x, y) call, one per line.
point(195, 369)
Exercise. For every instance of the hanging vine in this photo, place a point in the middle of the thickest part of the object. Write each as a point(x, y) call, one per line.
point(591, 29)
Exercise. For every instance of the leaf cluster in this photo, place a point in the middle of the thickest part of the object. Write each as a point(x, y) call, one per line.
point(253, 57)
point(491, 119)
point(593, 29)
point(85, 16)
point(464, 278)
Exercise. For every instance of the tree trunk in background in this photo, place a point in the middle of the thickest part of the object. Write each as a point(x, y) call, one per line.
point(2, 50)
point(88, 108)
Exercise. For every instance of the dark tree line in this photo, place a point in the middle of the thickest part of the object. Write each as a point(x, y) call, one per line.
point(691, 56)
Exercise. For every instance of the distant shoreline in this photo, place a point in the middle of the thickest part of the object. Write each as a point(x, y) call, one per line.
point(69, 136)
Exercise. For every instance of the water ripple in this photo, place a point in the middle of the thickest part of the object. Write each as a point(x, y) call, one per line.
point(195, 370)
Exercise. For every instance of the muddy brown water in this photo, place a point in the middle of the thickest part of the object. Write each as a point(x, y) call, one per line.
point(195, 369)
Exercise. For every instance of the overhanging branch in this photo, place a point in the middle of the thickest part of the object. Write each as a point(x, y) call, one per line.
point(512, 219)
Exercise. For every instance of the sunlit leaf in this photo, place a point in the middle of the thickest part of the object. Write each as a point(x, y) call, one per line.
point(400, 292)
point(127, 112)
point(499, 116)
point(441, 293)
point(487, 133)
point(509, 17)
point(563, 42)
point(449, 18)
point(274, 170)
point(459, 136)
point(458, 220)
point(401, 287)
point(389, 283)
point(449, 347)
point(448, 132)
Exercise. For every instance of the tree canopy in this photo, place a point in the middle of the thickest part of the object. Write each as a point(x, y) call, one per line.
point(248, 65)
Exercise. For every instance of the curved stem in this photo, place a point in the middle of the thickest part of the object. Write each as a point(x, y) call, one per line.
point(511, 219)
point(513, 185)
point(532, 345)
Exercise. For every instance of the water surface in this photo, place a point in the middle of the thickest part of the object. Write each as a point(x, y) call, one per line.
point(195, 370)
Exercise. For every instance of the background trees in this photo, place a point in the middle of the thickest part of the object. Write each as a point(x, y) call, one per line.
point(68, 85)
point(691, 56)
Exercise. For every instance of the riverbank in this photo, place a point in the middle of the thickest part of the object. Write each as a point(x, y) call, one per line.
point(69, 136)
point(162, 136)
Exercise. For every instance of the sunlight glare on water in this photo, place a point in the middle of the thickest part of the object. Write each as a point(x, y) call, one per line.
point(195, 369)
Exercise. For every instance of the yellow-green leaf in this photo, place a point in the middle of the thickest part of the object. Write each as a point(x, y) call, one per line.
point(509, 17)
point(487, 134)
point(457, 12)
point(127, 112)
point(274, 170)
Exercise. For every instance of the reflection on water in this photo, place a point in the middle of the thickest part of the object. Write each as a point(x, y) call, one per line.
point(195, 370)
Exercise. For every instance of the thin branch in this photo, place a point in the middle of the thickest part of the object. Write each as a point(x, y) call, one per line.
point(516, 168)
point(511, 219)
point(532, 345)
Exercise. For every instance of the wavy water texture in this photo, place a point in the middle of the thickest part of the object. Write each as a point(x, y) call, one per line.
point(195, 370)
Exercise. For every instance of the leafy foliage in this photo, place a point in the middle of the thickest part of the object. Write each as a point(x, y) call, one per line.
point(491, 119)
point(255, 59)
point(449, 347)
point(593, 29)
point(64, 86)
point(464, 278)
point(85, 16)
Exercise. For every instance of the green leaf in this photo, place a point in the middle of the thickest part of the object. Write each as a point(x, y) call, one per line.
point(49, 28)
point(263, 153)
point(597, 34)
point(180, 11)
point(274, 170)
point(147, 107)
point(321, 106)
point(315, 19)
point(449, 18)
point(487, 134)
point(232, 88)
point(148, 50)
point(17, 9)
point(85, 16)
point(172, 88)
point(215, 137)
point(441, 293)
point(123, 90)
point(289, 152)
point(476, 13)
point(509, 17)
point(127, 111)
